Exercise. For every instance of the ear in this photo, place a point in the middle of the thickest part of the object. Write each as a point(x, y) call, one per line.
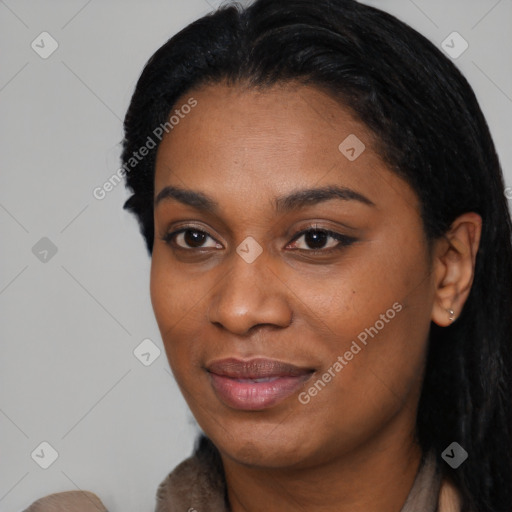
point(454, 267)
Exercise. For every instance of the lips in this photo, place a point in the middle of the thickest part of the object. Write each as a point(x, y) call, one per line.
point(255, 384)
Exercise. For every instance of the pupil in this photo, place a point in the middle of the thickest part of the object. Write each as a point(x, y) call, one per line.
point(197, 238)
point(316, 239)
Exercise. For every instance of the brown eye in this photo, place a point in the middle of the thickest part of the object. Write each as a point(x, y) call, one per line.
point(189, 238)
point(316, 240)
point(194, 238)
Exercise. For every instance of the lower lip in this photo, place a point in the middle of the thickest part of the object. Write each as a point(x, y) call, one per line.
point(253, 396)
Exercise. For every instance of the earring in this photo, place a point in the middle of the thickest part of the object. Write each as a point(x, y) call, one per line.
point(452, 315)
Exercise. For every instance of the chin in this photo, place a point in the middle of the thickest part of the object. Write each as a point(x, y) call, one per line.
point(264, 446)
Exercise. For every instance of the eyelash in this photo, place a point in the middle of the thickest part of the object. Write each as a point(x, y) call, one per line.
point(344, 240)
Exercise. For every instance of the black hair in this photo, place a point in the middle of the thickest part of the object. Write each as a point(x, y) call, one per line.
point(430, 130)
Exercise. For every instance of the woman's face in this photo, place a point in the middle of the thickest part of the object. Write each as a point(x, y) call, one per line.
point(295, 302)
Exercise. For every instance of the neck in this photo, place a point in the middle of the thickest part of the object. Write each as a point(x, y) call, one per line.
point(371, 479)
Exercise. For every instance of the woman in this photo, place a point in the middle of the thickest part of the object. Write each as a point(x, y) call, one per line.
point(331, 263)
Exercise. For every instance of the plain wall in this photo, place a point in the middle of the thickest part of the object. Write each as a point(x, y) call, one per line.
point(70, 323)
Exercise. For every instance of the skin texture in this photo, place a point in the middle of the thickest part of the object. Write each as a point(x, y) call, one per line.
point(351, 447)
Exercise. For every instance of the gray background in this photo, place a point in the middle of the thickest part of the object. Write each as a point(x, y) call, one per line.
point(71, 322)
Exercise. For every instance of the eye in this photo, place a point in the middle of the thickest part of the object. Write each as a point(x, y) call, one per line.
point(189, 238)
point(315, 239)
point(322, 240)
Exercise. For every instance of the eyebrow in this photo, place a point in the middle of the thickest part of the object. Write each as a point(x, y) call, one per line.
point(292, 201)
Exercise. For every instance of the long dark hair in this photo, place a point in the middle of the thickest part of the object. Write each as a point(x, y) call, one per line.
point(430, 130)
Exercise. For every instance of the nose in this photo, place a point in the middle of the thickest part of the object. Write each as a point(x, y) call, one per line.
point(251, 294)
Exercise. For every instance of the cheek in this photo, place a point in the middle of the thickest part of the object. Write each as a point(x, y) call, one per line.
point(174, 295)
point(170, 303)
point(163, 299)
point(381, 299)
point(383, 320)
point(381, 367)
point(179, 304)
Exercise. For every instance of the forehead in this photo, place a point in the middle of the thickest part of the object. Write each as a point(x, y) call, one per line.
point(288, 119)
point(249, 142)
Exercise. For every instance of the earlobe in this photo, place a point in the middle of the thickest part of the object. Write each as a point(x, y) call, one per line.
point(444, 316)
point(454, 267)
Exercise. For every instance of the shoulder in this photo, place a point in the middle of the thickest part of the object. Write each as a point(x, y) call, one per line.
point(192, 485)
point(71, 501)
point(449, 497)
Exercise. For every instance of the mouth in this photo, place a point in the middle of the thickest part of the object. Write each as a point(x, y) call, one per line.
point(255, 384)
